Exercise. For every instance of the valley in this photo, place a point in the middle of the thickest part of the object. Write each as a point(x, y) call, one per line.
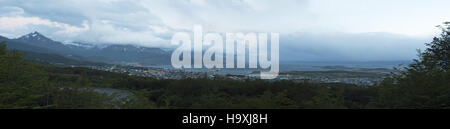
point(155, 63)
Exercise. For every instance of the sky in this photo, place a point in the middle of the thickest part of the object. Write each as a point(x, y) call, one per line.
point(323, 29)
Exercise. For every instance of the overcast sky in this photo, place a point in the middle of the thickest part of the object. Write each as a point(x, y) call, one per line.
point(153, 22)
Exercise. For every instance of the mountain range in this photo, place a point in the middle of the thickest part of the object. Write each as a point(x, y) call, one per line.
point(40, 47)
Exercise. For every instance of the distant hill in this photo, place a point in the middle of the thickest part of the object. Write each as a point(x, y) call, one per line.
point(3, 38)
point(133, 54)
point(57, 59)
point(117, 54)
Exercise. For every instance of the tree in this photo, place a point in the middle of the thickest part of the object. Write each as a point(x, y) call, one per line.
point(2, 48)
point(438, 53)
point(424, 83)
point(26, 85)
point(20, 81)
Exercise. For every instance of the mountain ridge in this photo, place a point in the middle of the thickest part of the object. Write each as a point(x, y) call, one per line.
point(112, 53)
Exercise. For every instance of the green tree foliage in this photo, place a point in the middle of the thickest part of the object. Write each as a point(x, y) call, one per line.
point(222, 93)
point(423, 84)
point(26, 85)
point(19, 81)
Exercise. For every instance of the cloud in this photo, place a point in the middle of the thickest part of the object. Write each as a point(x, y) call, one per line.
point(101, 21)
point(13, 19)
point(106, 33)
point(152, 22)
point(415, 18)
point(231, 15)
point(12, 23)
point(11, 11)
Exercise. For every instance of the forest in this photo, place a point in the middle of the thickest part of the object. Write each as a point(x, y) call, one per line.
point(423, 84)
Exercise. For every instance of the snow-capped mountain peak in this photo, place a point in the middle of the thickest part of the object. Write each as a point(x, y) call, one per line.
point(34, 36)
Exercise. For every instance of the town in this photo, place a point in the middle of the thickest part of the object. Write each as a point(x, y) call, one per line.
point(166, 72)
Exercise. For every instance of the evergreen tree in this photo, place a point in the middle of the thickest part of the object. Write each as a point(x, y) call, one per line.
point(424, 83)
